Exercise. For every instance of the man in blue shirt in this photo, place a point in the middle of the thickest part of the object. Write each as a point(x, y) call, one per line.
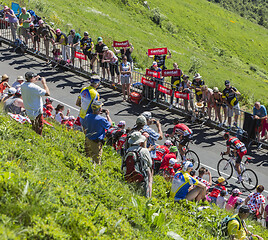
point(94, 128)
point(260, 114)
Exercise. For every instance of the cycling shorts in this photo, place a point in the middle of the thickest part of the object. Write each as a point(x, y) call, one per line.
point(185, 140)
point(240, 155)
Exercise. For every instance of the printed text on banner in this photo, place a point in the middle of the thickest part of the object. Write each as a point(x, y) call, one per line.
point(157, 51)
point(121, 44)
point(80, 55)
point(148, 82)
point(171, 73)
point(182, 95)
point(164, 90)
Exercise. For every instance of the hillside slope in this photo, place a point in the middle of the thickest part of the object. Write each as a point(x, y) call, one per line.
point(49, 190)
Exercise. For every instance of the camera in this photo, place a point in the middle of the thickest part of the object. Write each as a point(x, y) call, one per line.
point(154, 121)
point(103, 110)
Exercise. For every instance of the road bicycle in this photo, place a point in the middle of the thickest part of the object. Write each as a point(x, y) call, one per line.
point(226, 168)
point(190, 155)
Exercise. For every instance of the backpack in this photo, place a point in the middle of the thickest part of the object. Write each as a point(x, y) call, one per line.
point(224, 225)
point(19, 46)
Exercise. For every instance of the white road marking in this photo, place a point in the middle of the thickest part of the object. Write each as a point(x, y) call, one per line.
point(65, 104)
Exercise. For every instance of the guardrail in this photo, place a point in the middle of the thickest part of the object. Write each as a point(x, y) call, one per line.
point(160, 91)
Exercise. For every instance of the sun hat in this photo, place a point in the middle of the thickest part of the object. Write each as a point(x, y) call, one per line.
point(12, 90)
point(147, 115)
point(168, 143)
point(105, 48)
point(221, 179)
point(236, 190)
point(227, 82)
point(173, 149)
point(136, 138)
point(20, 78)
point(99, 39)
point(244, 209)
point(30, 75)
point(187, 165)
point(4, 77)
point(121, 123)
point(199, 104)
point(215, 90)
point(197, 76)
point(58, 30)
point(96, 104)
point(141, 120)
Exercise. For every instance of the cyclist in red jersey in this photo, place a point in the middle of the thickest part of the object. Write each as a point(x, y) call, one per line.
point(239, 150)
point(184, 133)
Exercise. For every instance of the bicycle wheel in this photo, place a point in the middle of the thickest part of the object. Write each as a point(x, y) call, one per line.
point(225, 168)
point(249, 179)
point(190, 155)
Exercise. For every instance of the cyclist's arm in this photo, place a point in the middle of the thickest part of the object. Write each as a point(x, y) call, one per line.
point(228, 150)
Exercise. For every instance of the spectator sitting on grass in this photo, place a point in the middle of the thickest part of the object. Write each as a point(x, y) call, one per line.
point(217, 189)
point(4, 83)
point(181, 183)
point(59, 113)
point(220, 202)
point(18, 83)
point(10, 93)
point(232, 199)
point(201, 172)
point(14, 104)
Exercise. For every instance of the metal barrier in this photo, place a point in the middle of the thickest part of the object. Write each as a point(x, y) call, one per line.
point(166, 95)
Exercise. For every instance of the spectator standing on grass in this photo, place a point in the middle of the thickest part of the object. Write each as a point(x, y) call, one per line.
point(86, 98)
point(260, 114)
point(74, 43)
point(18, 82)
point(183, 181)
point(99, 51)
point(45, 31)
point(13, 21)
point(109, 57)
point(229, 95)
point(61, 39)
point(218, 103)
point(35, 38)
point(87, 46)
point(185, 87)
point(126, 51)
point(175, 82)
point(25, 20)
point(32, 99)
point(4, 83)
point(125, 71)
point(256, 202)
point(94, 127)
point(197, 84)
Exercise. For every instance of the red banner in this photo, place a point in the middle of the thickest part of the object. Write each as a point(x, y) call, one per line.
point(148, 82)
point(121, 44)
point(182, 95)
point(80, 55)
point(164, 90)
point(157, 51)
point(173, 73)
point(152, 73)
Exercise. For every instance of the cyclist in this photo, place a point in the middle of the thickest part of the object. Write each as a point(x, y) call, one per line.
point(239, 151)
point(184, 133)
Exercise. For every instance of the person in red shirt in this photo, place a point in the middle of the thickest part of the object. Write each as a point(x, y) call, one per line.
point(4, 83)
point(217, 189)
point(170, 170)
point(239, 150)
point(173, 153)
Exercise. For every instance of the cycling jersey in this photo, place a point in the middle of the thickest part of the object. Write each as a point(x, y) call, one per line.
point(236, 228)
point(237, 144)
point(181, 183)
point(86, 42)
point(182, 129)
point(120, 143)
point(198, 84)
point(161, 151)
point(60, 37)
point(176, 80)
point(230, 95)
point(216, 190)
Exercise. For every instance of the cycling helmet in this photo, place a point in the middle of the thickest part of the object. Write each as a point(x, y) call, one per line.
point(85, 33)
point(187, 165)
point(147, 115)
point(173, 149)
point(226, 134)
point(168, 143)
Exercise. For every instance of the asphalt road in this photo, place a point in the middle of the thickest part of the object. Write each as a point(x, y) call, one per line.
point(65, 87)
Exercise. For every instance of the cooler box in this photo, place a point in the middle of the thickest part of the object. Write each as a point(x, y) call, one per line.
point(135, 97)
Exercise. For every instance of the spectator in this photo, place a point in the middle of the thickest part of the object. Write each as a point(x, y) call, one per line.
point(48, 101)
point(256, 202)
point(161, 151)
point(260, 114)
point(94, 127)
point(87, 96)
point(173, 153)
point(201, 172)
point(153, 135)
point(229, 95)
point(217, 189)
point(160, 59)
point(218, 103)
point(238, 204)
point(170, 169)
point(47, 111)
point(99, 51)
point(237, 227)
point(181, 183)
point(197, 84)
point(175, 82)
point(35, 38)
point(14, 104)
point(59, 113)
point(125, 70)
point(185, 87)
point(220, 202)
point(233, 199)
point(87, 45)
point(45, 31)
point(74, 43)
point(13, 21)
point(25, 19)
point(18, 83)
point(109, 57)
point(10, 93)
point(126, 52)
point(158, 79)
point(207, 98)
point(137, 142)
point(61, 39)
point(32, 99)
point(266, 215)
point(4, 83)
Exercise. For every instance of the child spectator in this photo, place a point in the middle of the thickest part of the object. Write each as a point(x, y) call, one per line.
point(59, 115)
point(232, 199)
point(47, 111)
point(217, 189)
point(238, 204)
point(220, 202)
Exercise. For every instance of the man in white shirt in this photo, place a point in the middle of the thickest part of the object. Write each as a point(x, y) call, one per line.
point(18, 83)
point(32, 99)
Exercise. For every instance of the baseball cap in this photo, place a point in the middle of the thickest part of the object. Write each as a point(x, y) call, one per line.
point(227, 82)
point(99, 39)
point(6, 7)
point(96, 104)
point(12, 90)
point(173, 149)
point(85, 33)
point(244, 209)
point(215, 90)
point(18, 92)
point(168, 143)
point(95, 80)
point(105, 48)
point(72, 31)
point(141, 120)
point(121, 123)
point(58, 30)
point(147, 115)
point(72, 118)
point(221, 179)
point(30, 75)
point(187, 165)
point(154, 63)
point(236, 190)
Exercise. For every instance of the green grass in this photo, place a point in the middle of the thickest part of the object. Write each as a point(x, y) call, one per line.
point(49, 190)
point(200, 35)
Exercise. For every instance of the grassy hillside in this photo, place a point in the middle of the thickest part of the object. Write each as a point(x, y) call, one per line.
point(49, 190)
point(202, 36)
